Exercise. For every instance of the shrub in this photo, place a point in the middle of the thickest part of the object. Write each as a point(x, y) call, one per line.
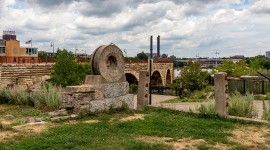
point(14, 96)
point(242, 105)
point(48, 96)
point(1, 126)
point(133, 88)
point(208, 108)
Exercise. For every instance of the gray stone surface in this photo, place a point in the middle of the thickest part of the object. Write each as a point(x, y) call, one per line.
point(221, 94)
point(143, 89)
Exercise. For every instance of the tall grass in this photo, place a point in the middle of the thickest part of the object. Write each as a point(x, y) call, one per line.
point(239, 105)
point(266, 111)
point(14, 96)
point(242, 106)
point(48, 97)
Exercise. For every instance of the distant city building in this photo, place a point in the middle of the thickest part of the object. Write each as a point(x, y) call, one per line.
point(267, 54)
point(238, 57)
point(12, 52)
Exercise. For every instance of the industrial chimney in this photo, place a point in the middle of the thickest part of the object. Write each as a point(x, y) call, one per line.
point(158, 46)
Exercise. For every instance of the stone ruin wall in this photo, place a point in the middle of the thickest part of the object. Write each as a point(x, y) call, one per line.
point(24, 74)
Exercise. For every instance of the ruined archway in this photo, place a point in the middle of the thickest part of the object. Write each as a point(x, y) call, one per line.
point(131, 79)
point(168, 77)
point(156, 79)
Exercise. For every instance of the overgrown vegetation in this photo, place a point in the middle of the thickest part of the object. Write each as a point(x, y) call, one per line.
point(48, 97)
point(193, 77)
point(242, 105)
point(266, 111)
point(239, 105)
point(66, 71)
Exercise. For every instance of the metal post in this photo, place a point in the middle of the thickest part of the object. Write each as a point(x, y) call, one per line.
point(150, 69)
point(244, 86)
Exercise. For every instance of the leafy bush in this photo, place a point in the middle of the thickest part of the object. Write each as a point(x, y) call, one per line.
point(233, 69)
point(242, 105)
point(48, 96)
point(193, 77)
point(66, 71)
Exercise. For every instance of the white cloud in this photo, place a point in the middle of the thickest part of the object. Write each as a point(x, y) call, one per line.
point(186, 27)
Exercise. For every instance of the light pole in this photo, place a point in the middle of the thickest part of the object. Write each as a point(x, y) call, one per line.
point(52, 45)
point(216, 56)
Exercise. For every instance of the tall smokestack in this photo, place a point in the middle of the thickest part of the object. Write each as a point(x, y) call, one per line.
point(158, 46)
point(151, 47)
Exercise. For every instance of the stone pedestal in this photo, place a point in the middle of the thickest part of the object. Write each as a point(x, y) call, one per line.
point(143, 89)
point(221, 94)
point(97, 97)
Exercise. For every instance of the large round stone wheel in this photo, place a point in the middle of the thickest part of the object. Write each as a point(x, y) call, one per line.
point(108, 61)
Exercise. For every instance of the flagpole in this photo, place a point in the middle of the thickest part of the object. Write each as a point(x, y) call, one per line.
point(31, 42)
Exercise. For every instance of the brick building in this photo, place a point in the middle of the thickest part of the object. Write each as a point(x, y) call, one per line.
point(12, 52)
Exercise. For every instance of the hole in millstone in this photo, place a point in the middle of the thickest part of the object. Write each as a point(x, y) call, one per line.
point(111, 63)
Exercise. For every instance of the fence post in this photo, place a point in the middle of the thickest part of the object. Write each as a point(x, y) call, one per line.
point(263, 87)
point(244, 86)
point(221, 94)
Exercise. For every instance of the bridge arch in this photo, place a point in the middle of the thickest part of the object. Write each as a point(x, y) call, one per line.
point(156, 79)
point(131, 79)
point(168, 77)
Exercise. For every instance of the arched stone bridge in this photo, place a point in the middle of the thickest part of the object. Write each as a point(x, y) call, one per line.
point(162, 72)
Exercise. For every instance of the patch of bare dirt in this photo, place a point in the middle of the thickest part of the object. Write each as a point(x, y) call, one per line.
point(90, 121)
point(5, 122)
point(185, 143)
point(33, 127)
point(251, 137)
point(134, 117)
point(7, 135)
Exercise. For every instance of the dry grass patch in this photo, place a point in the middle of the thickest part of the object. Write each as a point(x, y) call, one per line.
point(134, 117)
point(91, 121)
point(184, 143)
point(251, 137)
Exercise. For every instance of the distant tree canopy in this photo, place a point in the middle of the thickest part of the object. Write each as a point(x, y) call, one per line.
point(66, 71)
point(233, 69)
point(142, 56)
point(178, 63)
point(164, 56)
point(193, 77)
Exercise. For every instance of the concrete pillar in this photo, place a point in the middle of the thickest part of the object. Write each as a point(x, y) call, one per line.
point(221, 94)
point(143, 89)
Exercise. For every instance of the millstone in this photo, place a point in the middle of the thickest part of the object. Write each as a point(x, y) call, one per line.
point(108, 61)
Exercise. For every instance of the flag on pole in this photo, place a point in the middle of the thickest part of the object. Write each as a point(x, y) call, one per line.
point(28, 42)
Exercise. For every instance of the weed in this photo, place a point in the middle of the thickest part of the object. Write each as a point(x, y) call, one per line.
point(208, 109)
point(242, 105)
point(48, 97)
point(266, 112)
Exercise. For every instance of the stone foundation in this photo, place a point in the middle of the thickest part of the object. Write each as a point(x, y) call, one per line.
point(97, 97)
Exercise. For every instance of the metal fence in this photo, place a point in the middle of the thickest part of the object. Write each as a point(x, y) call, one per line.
point(251, 86)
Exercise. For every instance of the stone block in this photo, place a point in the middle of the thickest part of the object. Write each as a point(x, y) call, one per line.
point(221, 95)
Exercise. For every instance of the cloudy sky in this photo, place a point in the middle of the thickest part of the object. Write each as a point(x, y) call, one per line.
point(187, 27)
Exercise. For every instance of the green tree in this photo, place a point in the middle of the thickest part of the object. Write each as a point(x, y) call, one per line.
point(233, 69)
point(193, 77)
point(142, 56)
point(164, 56)
point(66, 71)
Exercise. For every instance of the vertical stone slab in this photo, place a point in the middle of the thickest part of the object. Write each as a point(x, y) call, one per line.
point(143, 89)
point(221, 94)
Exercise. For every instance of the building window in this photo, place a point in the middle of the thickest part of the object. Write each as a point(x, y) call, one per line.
point(2, 50)
point(31, 51)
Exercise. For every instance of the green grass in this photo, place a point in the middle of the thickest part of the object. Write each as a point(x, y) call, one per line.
point(178, 100)
point(123, 135)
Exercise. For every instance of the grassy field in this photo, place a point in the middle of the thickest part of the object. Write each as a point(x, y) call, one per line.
point(146, 129)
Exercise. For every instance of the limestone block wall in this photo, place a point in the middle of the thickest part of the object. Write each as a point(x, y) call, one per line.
point(23, 74)
point(162, 68)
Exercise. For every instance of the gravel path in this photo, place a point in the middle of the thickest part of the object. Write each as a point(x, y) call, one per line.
point(192, 106)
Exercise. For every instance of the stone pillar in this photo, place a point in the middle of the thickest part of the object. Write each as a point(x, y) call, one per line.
point(143, 89)
point(221, 94)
